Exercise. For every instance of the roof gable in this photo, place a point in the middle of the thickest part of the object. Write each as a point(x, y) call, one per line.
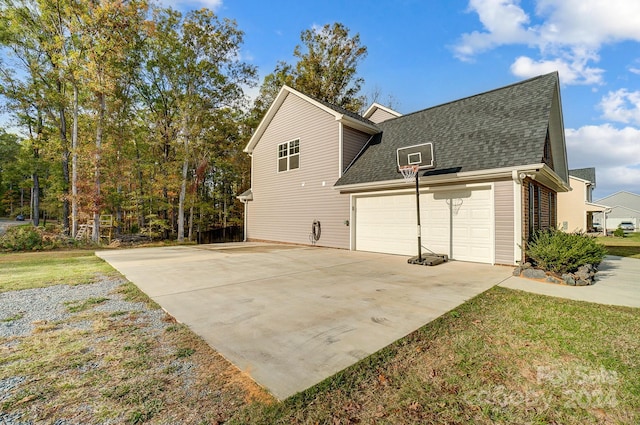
point(623, 198)
point(587, 174)
point(506, 127)
point(340, 114)
point(376, 108)
point(621, 209)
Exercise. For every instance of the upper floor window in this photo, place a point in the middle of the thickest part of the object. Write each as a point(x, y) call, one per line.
point(289, 155)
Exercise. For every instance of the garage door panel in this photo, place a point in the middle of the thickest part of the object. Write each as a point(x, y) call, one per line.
point(376, 216)
point(456, 223)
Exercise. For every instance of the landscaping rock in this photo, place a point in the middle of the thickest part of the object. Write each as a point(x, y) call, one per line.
point(534, 274)
point(583, 282)
point(586, 272)
point(552, 279)
point(517, 271)
point(568, 279)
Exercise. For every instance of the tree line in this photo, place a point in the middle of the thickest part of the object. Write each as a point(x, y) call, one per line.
point(140, 112)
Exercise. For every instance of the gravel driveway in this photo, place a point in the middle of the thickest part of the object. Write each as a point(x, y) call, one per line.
point(23, 312)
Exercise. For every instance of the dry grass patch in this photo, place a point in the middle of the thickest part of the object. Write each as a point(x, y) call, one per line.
point(120, 367)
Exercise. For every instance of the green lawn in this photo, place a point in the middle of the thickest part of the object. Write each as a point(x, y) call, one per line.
point(503, 357)
point(628, 246)
point(40, 269)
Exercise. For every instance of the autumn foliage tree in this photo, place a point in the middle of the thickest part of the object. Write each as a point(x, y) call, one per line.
point(326, 69)
point(122, 110)
point(139, 112)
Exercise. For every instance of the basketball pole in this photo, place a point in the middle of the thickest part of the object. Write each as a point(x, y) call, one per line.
point(418, 217)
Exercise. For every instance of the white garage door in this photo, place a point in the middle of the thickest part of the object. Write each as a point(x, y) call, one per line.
point(456, 223)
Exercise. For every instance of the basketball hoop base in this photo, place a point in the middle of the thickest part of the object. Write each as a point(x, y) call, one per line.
point(429, 259)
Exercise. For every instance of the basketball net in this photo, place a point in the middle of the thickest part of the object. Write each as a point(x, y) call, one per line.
point(409, 172)
point(455, 205)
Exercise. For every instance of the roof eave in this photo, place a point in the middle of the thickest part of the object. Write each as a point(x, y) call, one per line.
point(371, 109)
point(266, 120)
point(358, 125)
point(550, 179)
point(540, 172)
point(595, 207)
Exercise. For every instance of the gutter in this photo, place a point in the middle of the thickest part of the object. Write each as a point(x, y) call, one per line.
point(540, 172)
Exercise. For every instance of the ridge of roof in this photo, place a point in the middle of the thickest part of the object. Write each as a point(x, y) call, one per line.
point(484, 93)
point(503, 127)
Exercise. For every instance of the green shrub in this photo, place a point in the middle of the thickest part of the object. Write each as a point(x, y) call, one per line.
point(29, 238)
point(560, 252)
point(21, 238)
point(618, 233)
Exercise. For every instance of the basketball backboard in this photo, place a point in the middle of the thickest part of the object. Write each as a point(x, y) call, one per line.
point(420, 155)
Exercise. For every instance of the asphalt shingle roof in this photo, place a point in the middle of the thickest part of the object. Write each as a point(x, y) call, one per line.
point(505, 127)
point(344, 111)
point(588, 174)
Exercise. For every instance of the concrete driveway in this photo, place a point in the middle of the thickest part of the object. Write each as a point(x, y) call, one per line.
point(617, 283)
point(292, 316)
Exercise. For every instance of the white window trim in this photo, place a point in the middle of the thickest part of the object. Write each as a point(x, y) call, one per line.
point(288, 156)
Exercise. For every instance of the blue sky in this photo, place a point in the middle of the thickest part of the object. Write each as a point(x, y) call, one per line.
point(424, 53)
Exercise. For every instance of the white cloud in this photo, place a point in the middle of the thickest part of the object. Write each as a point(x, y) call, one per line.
point(622, 106)
point(614, 152)
point(502, 19)
point(504, 22)
point(588, 22)
point(567, 33)
point(573, 70)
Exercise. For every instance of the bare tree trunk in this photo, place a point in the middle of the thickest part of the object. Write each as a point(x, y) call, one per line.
point(74, 164)
point(96, 200)
point(191, 223)
point(35, 199)
point(140, 206)
point(183, 184)
point(35, 191)
point(65, 165)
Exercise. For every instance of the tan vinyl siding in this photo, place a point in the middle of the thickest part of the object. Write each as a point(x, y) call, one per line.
point(285, 204)
point(505, 221)
point(352, 143)
point(380, 115)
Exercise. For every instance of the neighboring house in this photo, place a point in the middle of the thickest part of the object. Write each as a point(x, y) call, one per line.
point(500, 161)
point(624, 206)
point(576, 207)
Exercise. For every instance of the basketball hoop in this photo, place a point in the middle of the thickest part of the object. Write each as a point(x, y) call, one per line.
point(409, 172)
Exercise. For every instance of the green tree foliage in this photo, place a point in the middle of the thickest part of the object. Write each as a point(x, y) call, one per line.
point(326, 69)
point(123, 111)
point(10, 178)
point(192, 75)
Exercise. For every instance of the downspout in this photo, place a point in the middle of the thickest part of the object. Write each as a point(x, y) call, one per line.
point(517, 212)
point(244, 239)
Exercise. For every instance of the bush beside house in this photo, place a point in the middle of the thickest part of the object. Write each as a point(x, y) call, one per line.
point(559, 257)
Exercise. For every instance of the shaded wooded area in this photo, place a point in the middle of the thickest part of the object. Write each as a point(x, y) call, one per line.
point(140, 114)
